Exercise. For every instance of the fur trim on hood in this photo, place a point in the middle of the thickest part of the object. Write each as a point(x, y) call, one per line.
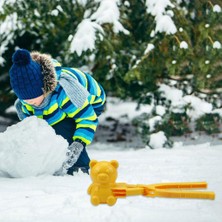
point(48, 71)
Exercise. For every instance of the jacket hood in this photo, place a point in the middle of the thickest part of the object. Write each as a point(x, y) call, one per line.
point(48, 70)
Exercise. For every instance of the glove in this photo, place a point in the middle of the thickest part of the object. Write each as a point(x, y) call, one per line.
point(74, 151)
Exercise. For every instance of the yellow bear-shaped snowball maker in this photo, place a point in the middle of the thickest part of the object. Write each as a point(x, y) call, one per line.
point(103, 175)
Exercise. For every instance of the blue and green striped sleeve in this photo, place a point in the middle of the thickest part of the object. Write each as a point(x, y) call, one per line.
point(22, 112)
point(85, 118)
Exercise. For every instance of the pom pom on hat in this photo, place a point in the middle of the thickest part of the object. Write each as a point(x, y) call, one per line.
point(26, 76)
point(21, 57)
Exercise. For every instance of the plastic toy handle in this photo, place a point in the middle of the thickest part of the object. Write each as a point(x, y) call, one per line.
point(181, 194)
point(179, 190)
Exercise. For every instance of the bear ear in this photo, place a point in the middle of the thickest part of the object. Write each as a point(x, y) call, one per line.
point(114, 163)
point(93, 163)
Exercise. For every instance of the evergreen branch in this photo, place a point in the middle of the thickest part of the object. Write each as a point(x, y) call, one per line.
point(210, 3)
point(211, 40)
point(177, 39)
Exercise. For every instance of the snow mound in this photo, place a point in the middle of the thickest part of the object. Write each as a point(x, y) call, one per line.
point(31, 148)
point(157, 140)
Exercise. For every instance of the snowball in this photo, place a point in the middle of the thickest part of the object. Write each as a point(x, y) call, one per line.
point(157, 140)
point(31, 148)
point(183, 45)
point(217, 45)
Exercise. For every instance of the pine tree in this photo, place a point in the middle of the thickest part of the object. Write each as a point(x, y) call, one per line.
point(142, 45)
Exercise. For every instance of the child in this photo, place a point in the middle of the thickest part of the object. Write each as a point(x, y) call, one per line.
point(67, 98)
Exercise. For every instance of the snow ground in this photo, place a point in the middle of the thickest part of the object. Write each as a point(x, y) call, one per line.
point(50, 198)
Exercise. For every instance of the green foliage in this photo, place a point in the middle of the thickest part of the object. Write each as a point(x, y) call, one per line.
point(209, 123)
point(177, 124)
point(120, 62)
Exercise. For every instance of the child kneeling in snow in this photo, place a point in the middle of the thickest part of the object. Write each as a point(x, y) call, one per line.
point(67, 98)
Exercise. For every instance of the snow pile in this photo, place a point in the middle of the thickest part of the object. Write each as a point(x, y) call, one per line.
point(175, 96)
point(164, 23)
point(116, 108)
point(49, 198)
point(199, 107)
point(31, 148)
point(157, 140)
point(178, 101)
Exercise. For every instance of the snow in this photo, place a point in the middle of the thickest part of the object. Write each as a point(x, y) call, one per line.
point(7, 27)
point(157, 140)
point(217, 45)
point(149, 48)
point(175, 95)
point(164, 23)
point(108, 12)
point(11, 109)
point(82, 2)
point(117, 109)
point(183, 45)
point(55, 12)
point(31, 148)
point(85, 36)
point(198, 108)
point(217, 8)
point(52, 198)
point(153, 121)
point(160, 110)
point(36, 13)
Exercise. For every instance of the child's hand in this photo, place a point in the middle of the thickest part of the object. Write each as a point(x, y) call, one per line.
point(74, 151)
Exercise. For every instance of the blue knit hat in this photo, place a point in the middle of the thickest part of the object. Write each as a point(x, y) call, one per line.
point(25, 76)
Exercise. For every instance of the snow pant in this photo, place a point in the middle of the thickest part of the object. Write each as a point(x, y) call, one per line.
point(66, 129)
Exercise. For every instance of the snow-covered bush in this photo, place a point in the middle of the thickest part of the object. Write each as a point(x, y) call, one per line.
point(131, 47)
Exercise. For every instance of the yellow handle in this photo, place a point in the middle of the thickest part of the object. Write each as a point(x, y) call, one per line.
point(178, 190)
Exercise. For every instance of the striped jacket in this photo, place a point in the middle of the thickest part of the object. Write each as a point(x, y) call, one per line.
point(60, 106)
